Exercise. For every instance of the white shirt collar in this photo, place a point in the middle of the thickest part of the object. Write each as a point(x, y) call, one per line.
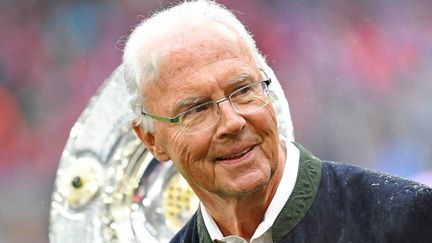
point(283, 192)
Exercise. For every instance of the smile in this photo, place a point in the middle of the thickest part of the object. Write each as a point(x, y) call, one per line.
point(237, 155)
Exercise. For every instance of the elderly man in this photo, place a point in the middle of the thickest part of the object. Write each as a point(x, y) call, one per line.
point(200, 90)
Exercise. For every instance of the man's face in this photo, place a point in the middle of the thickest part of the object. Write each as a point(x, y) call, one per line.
point(240, 154)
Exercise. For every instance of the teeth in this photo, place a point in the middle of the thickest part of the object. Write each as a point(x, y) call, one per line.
point(237, 155)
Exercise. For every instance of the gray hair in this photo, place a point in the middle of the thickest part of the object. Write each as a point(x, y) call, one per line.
point(141, 59)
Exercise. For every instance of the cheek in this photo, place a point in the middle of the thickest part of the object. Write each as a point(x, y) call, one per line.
point(266, 126)
point(271, 114)
point(190, 157)
point(187, 151)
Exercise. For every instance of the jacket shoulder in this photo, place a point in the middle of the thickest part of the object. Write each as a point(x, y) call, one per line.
point(187, 234)
point(402, 207)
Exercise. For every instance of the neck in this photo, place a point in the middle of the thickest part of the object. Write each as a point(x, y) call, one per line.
point(240, 217)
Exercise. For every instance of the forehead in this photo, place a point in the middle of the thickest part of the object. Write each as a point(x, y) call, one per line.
point(197, 62)
point(183, 53)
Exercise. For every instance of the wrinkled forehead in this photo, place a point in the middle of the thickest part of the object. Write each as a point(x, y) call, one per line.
point(185, 52)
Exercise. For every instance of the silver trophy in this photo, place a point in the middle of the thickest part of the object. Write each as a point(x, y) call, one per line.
point(110, 188)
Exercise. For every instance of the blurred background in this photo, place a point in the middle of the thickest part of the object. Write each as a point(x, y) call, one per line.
point(357, 74)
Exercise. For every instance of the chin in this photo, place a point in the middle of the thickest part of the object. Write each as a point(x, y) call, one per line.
point(248, 187)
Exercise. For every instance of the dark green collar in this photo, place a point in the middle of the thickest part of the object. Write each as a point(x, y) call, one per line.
point(203, 234)
point(302, 196)
point(298, 204)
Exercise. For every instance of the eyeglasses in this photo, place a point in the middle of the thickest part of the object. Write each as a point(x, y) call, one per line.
point(244, 100)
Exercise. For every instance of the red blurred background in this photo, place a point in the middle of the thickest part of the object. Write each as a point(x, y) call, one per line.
point(358, 76)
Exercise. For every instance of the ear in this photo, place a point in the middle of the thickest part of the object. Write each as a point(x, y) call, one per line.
point(150, 142)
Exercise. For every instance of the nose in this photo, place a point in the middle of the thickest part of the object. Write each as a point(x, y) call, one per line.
point(230, 122)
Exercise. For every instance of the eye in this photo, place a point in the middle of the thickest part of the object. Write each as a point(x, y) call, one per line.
point(197, 111)
point(244, 90)
point(197, 114)
point(200, 108)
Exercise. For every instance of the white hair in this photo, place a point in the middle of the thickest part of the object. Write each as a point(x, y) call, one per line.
point(142, 52)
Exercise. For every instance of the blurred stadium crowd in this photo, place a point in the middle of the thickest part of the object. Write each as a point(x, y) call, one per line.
point(357, 75)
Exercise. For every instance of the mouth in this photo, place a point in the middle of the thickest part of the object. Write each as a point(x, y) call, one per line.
point(236, 156)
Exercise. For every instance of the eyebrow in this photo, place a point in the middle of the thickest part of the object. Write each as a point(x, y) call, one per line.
point(241, 78)
point(192, 101)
